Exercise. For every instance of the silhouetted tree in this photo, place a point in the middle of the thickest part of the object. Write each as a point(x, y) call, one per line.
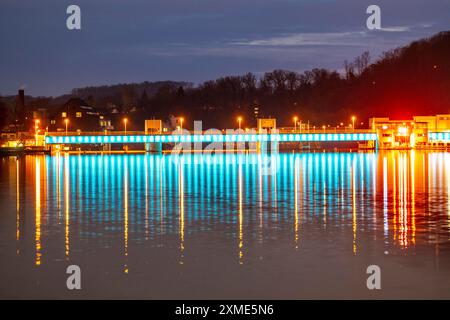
point(4, 114)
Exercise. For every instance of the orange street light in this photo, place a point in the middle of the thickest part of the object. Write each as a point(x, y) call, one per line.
point(67, 123)
point(125, 121)
point(353, 122)
point(36, 130)
point(239, 119)
point(295, 123)
point(324, 127)
point(181, 123)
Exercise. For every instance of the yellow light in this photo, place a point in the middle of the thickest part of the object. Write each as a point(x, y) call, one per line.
point(353, 122)
point(239, 119)
point(403, 130)
point(181, 119)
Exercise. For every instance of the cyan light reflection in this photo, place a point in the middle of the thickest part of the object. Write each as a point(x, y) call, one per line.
point(159, 198)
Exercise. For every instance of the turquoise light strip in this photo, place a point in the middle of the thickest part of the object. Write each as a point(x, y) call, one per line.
point(440, 136)
point(283, 137)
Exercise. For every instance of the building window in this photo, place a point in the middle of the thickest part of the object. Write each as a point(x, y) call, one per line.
point(78, 114)
point(53, 121)
point(64, 114)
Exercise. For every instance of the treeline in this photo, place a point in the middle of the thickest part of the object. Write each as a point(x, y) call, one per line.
point(403, 82)
point(413, 80)
point(125, 96)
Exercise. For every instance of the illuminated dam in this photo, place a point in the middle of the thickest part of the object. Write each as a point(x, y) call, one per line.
point(178, 138)
point(367, 137)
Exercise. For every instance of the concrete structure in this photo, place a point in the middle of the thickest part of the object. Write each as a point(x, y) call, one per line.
point(266, 125)
point(419, 132)
point(358, 135)
point(153, 127)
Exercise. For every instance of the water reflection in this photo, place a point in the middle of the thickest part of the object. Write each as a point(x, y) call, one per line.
point(125, 215)
point(399, 200)
point(241, 214)
point(17, 203)
point(38, 211)
point(181, 205)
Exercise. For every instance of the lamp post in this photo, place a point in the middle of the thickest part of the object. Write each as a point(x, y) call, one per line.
point(125, 120)
point(239, 119)
point(295, 124)
point(181, 123)
point(36, 130)
point(67, 124)
point(353, 122)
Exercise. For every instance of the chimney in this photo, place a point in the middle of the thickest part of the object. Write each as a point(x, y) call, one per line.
point(20, 106)
point(22, 98)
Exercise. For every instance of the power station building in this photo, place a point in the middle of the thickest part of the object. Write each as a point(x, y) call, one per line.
point(419, 132)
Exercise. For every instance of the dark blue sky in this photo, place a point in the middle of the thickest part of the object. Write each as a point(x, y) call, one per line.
point(195, 40)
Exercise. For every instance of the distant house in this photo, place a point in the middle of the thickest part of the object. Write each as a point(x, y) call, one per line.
point(79, 116)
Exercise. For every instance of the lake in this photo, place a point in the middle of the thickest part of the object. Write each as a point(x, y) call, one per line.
point(230, 226)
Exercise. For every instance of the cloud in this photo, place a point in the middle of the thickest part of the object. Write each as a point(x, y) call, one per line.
point(347, 38)
point(309, 39)
point(396, 29)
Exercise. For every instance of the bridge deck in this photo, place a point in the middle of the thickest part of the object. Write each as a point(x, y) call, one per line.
point(112, 137)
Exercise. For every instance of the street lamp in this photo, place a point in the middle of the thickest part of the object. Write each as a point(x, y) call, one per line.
point(239, 119)
point(353, 122)
point(67, 123)
point(324, 127)
point(125, 120)
point(36, 130)
point(181, 123)
point(295, 124)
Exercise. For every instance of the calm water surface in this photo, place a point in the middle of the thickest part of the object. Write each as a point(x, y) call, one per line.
point(226, 226)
